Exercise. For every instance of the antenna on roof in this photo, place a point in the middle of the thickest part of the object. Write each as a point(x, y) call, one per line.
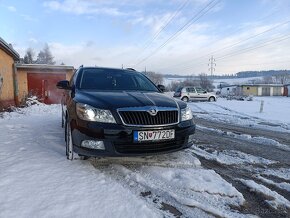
point(82, 65)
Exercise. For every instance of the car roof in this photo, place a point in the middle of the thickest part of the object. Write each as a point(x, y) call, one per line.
point(110, 68)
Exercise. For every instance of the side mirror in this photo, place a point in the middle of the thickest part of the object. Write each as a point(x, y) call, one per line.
point(204, 92)
point(161, 88)
point(63, 84)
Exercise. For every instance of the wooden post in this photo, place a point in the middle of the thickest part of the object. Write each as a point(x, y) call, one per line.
point(262, 106)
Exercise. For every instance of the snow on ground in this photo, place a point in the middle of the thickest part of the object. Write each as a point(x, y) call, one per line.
point(247, 137)
point(275, 200)
point(230, 157)
point(283, 173)
point(276, 111)
point(281, 185)
point(38, 181)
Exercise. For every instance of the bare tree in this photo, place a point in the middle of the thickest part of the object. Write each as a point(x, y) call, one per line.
point(268, 80)
point(282, 78)
point(205, 83)
point(156, 78)
point(29, 56)
point(173, 86)
point(188, 82)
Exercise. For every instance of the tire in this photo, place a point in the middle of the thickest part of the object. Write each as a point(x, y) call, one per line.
point(68, 141)
point(185, 99)
point(83, 157)
point(211, 99)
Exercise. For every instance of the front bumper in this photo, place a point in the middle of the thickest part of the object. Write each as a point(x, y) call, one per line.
point(118, 139)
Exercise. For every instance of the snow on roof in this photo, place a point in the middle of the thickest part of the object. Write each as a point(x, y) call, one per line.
point(276, 85)
point(227, 86)
point(9, 49)
point(44, 66)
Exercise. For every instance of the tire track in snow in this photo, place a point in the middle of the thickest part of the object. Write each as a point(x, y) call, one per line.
point(183, 199)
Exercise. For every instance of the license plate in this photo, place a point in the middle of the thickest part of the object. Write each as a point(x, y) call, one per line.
point(156, 135)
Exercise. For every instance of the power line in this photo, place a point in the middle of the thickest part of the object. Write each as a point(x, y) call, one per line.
point(166, 24)
point(242, 41)
point(277, 9)
point(255, 47)
point(266, 63)
point(168, 21)
point(195, 18)
point(266, 43)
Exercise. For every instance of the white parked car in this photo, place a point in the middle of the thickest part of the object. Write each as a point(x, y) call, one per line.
point(190, 93)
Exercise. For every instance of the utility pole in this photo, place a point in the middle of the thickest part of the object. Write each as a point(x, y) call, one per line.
point(212, 65)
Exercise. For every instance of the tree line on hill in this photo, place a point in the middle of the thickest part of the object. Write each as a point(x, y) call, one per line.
point(263, 73)
point(202, 81)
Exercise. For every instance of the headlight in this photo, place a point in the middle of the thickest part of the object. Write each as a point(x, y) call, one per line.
point(186, 114)
point(89, 113)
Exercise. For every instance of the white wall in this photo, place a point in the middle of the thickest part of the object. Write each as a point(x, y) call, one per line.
point(228, 91)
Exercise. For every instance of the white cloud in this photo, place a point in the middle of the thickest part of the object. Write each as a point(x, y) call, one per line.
point(33, 40)
point(27, 17)
point(11, 8)
point(89, 54)
point(187, 54)
point(79, 7)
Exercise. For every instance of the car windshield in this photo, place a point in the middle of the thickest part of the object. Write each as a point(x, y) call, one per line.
point(110, 79)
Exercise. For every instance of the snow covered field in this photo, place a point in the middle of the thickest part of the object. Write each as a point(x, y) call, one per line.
point(236, 81)
point(36, 179)
point(276, 110)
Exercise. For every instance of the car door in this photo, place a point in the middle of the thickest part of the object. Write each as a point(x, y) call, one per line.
point(192, 93)
point(201, 94)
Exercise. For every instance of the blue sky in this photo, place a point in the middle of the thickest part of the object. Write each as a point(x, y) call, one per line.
point(112, 33)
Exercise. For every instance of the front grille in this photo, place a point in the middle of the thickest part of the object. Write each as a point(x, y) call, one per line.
point(144, 118)
point(153, 147)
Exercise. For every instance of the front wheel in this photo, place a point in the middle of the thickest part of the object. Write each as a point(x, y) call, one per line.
point(211, 99)
point(185, 99)
point(68, 140)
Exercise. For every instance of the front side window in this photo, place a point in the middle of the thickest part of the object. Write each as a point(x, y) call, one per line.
point(200, 90)
point(110, 80)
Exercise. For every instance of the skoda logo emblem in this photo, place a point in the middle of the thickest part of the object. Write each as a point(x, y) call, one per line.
point(153, 111)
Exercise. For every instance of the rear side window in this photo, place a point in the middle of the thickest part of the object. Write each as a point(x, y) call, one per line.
point(190, 90)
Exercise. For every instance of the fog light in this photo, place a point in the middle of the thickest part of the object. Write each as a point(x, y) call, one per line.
point(93, 144)
point(191, 138)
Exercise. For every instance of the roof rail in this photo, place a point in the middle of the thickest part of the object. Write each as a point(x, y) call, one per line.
point(130, 69)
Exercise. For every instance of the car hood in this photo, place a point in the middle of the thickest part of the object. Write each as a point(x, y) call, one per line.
point(115, 100)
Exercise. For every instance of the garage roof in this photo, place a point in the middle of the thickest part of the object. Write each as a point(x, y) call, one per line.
point(44, 67)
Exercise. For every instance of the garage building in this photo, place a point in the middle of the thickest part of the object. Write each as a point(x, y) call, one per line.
point(263, 89)
point(17, 81)
point(8, 56)
point(40, 80)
